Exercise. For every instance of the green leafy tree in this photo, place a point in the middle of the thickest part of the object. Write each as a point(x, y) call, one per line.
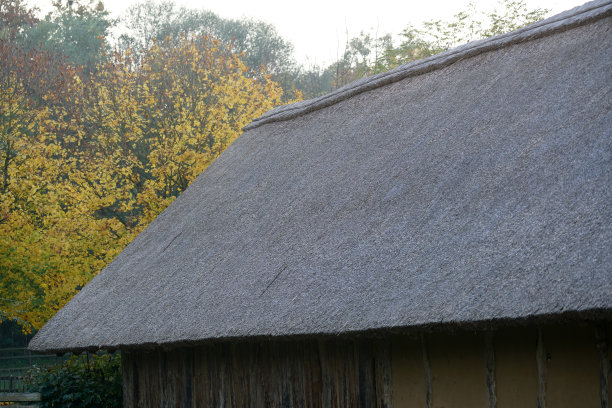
point(163, 23)
point(469, 25)
point(76, 29)
point(368, 53)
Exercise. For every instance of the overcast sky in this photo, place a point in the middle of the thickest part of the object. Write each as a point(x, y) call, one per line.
point(317, 28)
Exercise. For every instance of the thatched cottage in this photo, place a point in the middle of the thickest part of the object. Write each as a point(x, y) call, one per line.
point(439, 235)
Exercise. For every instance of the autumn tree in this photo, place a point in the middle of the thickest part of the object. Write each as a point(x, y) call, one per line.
point(34, 196)
point(16, 17)
point(30, 183)
point(90, 160)
point(152, 130)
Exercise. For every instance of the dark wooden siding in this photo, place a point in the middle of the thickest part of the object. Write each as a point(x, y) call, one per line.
point(313, 373)
point(551, 366)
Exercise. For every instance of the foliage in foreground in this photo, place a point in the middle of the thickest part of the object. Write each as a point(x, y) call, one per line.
point(80, 382)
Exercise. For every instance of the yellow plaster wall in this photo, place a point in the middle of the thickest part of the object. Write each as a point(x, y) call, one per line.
point(458, 375)
point(573, 367)
point(457, 363)
point(408, 379)
point(516, 371)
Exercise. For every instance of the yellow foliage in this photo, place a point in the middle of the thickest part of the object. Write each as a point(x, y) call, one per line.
point(89, 169)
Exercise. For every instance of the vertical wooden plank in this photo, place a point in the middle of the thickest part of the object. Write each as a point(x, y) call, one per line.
point(175, 380)
point(298, 358)
point(185, 359)
point(194, 384)
point(139, 391)
point(209, 385)
point(340, 383)
point(291, 363)
point(136, 380)
point(128, 379)
point(151, 380)
point(383, 372)
point(314, 381)
point(367, 390)
point(324, 361)
point(169, 395)
point(261, 382)
point(346, 373)
point(286, 374)
point(213, 375)
point(198, 380)
point(426, 364)
point(251, 373)
point(143, 362)
point(307, 375)
point(237, 375)
point(228, 374)
point(349, 371)
point(248, 350)
point(312, 376)
point(608, 330)
point(219, 358)
point(541, 364)
point(490, 369)
point(233, 375)
point(256, 373)
point(168, 378)
point(276, 375)
point(604, 365)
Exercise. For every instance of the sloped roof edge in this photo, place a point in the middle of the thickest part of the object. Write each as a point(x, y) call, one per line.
point(577, 16)
point(589, 316)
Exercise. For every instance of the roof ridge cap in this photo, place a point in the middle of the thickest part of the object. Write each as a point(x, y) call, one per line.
point(563, 21)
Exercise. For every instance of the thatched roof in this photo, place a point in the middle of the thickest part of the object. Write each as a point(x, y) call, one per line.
point(474, 186)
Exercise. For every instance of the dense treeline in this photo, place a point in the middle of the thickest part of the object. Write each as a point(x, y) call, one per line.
point(104, 122)
point(364, 55)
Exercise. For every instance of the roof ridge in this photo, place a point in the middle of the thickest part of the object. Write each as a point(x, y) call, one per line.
point(563, 21)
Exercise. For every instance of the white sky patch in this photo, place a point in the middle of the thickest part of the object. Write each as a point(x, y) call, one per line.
point(318, 28)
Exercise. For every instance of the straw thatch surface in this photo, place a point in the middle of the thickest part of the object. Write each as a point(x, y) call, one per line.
point(472, 190)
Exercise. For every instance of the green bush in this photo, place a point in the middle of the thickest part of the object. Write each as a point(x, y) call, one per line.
point(90, 381)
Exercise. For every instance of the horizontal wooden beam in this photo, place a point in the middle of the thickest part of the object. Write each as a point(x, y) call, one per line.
point(19, 396)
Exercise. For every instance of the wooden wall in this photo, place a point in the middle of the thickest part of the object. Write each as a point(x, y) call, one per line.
point(314, 373)
point(563, 366)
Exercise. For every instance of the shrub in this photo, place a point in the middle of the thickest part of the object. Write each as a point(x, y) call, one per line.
point(90, 381)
